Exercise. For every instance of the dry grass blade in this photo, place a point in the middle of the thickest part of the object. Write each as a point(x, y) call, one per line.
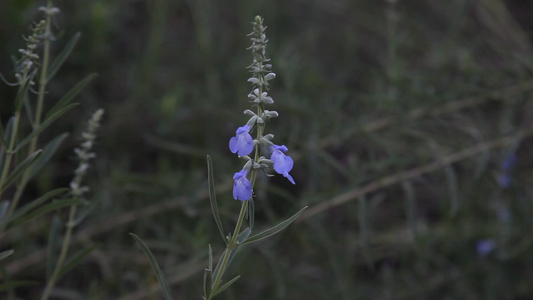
point(406, 175)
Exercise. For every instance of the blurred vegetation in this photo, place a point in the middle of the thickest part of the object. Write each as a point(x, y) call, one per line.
point(400, 115)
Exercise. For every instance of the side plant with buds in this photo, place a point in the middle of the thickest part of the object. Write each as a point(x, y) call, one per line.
point(23, 155)
point(84, 155)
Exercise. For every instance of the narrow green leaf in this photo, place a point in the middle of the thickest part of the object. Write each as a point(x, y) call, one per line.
point(76, 259)
point(62, 56)
point(4, 206)
point(410, 206)
point(232, 255)
point(210, 258)
point(275, 229)
point(83, 213)
point(73, 92)
point(44, 125)
point(213, 197)
point(48, 208)
point(364, 232)
point(225, 286)
point(159, 274)
point(230, 259)
point(6, 135)
point(22, 92)
point(452, 188)
point(53, 246)
point(217, 268)
point(244, 235)
point(6, 253)
point(26, 163)
point(35, 203)
point(2, 133)
point(251, 213)
point(29, 110)
point(10, 285)
point(48, 151)
point(207, 283)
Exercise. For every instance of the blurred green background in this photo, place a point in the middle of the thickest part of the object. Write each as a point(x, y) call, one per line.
point(410, 123)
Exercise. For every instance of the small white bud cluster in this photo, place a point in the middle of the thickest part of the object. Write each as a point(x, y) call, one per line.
point(84, 154)
point(26, 65)
point(262, 74)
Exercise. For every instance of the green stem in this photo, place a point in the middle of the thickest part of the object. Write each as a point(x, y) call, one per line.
point(233, 242)
point(43, 78)
point(11, 146)
point(7, 163)
point(231, 246)
point(9, 154)
point(242, 215)
point(40, 100)
point(62, 254)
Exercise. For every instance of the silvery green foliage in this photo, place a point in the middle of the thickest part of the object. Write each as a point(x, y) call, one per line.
point(23, 154)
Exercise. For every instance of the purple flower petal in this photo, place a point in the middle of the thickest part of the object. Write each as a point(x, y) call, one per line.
point(484, 247)
point(242, 187)
point(242, 143)
point(282, 163)
point(288, 176)
point(509, 162)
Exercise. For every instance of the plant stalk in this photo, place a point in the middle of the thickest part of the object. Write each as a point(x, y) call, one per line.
point(62, 255)
point(40, 100)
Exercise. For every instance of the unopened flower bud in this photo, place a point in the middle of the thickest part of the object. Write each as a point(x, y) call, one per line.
point(268, 114)
point(270, 76)
point(249, 113)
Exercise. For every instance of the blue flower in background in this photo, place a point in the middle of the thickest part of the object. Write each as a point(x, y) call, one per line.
point(484, 247)
point(282, 163)
point(242, 143)
point(242, 188)
point(509, 162)
point(505, 179)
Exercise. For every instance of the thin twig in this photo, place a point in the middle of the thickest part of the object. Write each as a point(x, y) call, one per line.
point(409, 174)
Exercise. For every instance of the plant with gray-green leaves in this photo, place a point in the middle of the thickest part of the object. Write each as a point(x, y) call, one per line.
point(22, 157)
point(267, 156)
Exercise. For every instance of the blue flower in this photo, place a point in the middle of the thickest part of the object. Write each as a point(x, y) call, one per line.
point(505, 179)
point(242, 142)
point(509, 162)
point(484, 247)
point(282, 163)
point(242, 188)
